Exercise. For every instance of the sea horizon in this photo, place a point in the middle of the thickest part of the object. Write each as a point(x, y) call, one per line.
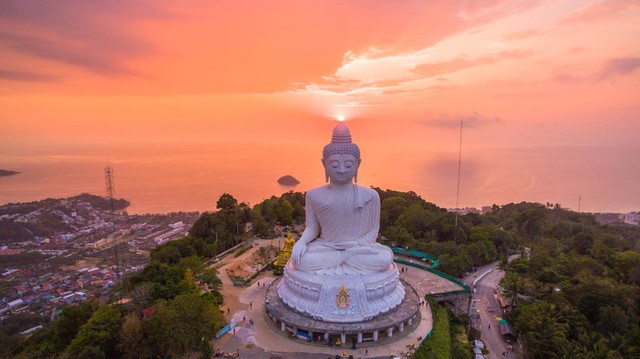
point(170, 178)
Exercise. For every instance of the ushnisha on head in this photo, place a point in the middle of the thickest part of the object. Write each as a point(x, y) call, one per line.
point(341, 157)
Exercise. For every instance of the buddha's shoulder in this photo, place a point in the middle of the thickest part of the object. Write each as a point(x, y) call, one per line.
point(318, 191)
point(369, 191)
point(321, 194)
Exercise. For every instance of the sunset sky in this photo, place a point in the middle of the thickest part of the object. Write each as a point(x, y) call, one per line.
point(403, 73)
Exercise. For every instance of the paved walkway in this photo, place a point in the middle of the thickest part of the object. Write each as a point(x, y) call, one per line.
point(261, 340)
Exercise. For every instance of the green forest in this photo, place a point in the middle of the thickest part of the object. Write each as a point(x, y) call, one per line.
point(573, 289)
point(577, 292)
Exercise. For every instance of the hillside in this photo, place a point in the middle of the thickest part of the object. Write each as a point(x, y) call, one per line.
point(53, 216)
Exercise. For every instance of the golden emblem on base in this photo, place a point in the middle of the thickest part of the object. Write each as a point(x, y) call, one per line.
point(342, 298)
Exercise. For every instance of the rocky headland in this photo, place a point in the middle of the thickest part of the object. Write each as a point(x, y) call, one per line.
point(7, 173)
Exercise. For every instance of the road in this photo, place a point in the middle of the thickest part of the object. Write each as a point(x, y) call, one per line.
point(486, 305)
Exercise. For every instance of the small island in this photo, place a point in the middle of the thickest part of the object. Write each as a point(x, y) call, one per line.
point(7, 173)
point(288, 181)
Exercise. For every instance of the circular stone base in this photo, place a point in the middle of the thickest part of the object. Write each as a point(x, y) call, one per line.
point(316, 295)
point(397, 322)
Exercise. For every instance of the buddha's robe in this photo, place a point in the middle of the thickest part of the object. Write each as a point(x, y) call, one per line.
point(344, 227)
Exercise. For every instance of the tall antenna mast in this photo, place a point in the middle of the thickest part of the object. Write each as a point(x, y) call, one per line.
point(110, 185)
point(579, 202)
point(459, 164)
point(455, 234)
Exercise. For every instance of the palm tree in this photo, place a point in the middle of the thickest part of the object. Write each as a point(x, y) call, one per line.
point(546, 338)
point(594, 344)
point(513, 285)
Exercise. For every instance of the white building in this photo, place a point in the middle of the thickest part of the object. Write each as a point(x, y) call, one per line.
point(176, 225)
point(632, 218)
point(16, 303)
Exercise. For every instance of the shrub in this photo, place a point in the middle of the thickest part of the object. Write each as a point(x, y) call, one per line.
point(438, 345)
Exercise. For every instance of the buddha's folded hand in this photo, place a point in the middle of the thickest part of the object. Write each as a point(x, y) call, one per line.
point(298, 250)
point(341, 245)
point(362, 250)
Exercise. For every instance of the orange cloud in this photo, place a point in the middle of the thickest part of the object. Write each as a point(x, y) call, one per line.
point(25, 76)
point(619, 67)
point(94, 36)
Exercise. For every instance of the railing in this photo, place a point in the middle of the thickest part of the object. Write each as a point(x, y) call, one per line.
point(417, 254)
point(212, 260)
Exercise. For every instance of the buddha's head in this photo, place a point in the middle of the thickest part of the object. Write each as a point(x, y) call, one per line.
point(341, 157)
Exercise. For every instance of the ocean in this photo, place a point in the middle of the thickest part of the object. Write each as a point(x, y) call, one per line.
point(162, 178)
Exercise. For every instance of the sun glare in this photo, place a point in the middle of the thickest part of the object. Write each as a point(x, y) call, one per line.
point(341, 118)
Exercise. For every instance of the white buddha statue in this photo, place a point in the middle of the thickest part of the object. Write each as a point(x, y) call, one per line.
point(343, 219)
point(337, 255)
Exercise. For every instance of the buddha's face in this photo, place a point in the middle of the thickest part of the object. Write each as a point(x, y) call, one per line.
point(341, 168)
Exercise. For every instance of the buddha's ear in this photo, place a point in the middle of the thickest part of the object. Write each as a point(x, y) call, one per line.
point(326, 175)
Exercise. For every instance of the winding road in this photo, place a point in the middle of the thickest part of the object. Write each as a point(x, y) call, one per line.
point(485, 304)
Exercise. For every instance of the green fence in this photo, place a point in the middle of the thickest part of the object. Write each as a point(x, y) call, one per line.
point(433, 260)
